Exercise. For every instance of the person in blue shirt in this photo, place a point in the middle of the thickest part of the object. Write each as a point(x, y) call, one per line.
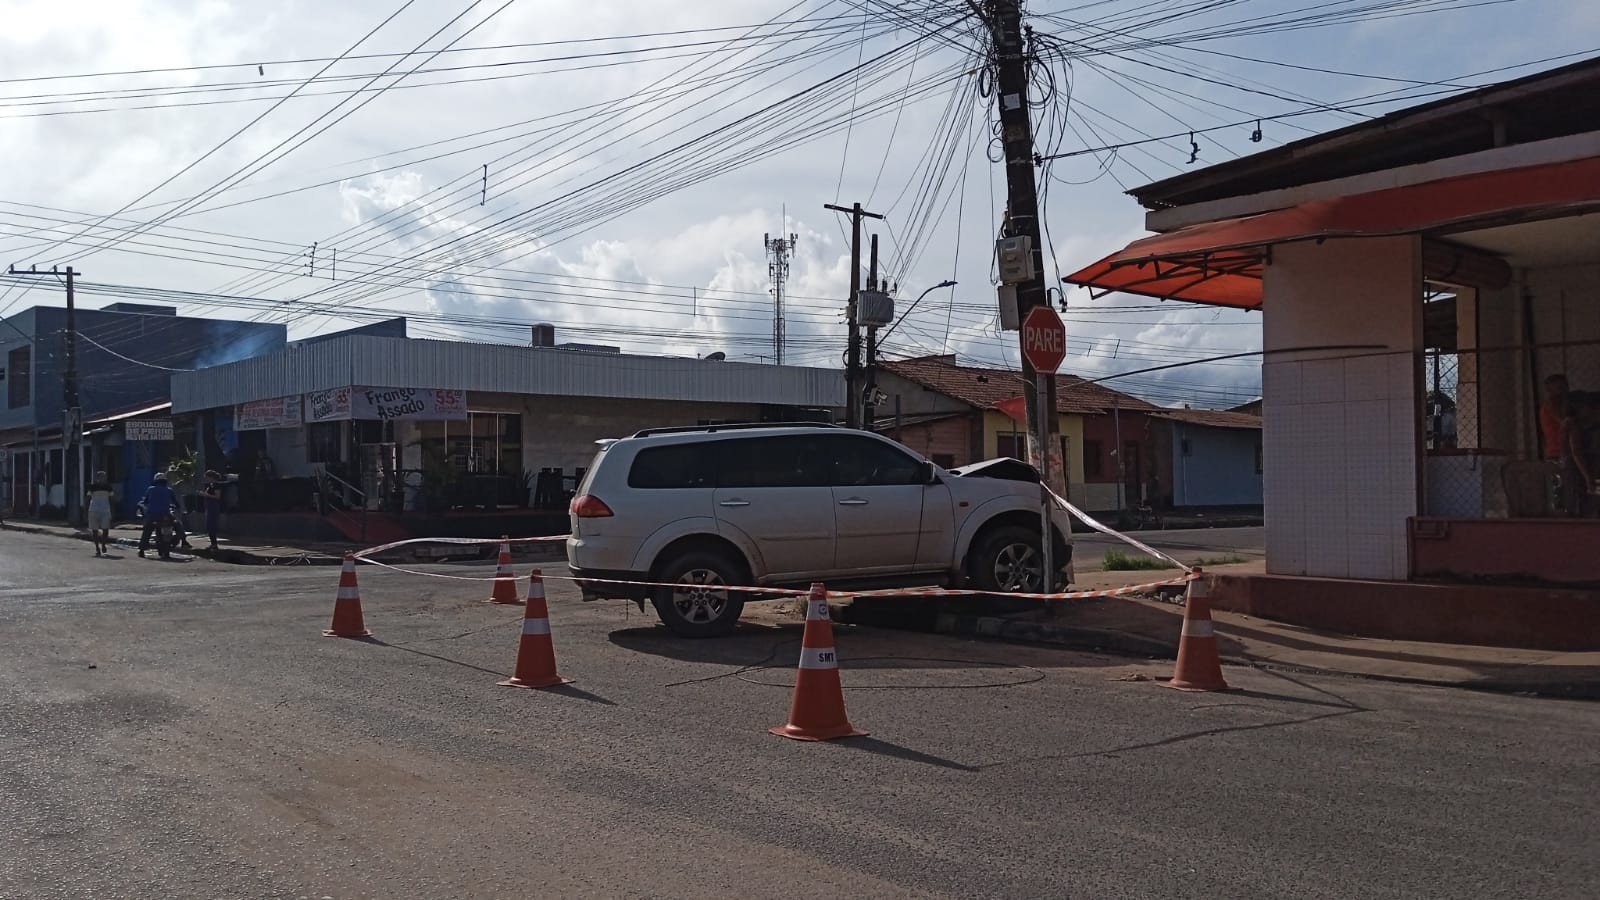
point(159, 500)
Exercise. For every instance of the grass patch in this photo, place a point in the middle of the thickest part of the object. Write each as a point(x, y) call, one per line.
point(1208, 562)
point(1118, 561)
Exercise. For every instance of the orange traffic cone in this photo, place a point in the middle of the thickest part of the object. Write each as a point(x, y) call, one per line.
point(1199, 665)
point(505, 580)
point(347, 605)
point(536, 655)
point(817, 712)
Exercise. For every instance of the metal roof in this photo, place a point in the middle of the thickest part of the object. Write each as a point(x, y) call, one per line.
point(1554, 103)
point(365, 360)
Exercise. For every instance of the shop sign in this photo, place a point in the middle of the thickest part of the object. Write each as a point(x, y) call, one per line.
point(388, 404)
point(257, 415)
point(147, 430)
point(327, 406)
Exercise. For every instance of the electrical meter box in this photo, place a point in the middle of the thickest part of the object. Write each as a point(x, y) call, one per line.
point(1015, 256)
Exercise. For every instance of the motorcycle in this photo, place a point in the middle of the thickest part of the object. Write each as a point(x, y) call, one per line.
point(164, 533)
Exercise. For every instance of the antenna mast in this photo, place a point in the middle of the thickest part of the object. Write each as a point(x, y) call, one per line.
point(778, 251)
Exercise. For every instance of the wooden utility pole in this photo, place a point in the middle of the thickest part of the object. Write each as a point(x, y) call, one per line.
point(852, 364)
point(869, 394)
point(71, 413)
point(1004, 18)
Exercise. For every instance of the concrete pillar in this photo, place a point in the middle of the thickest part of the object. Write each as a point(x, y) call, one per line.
point(1342, 426)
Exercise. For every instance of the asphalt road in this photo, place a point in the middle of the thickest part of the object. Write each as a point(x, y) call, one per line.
point(183, 730)
point(1190, 545)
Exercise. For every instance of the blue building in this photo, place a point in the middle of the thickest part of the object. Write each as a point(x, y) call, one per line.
point(1214, 457)
point(127, 354)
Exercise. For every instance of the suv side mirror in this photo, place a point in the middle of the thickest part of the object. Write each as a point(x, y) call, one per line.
point(930, 473)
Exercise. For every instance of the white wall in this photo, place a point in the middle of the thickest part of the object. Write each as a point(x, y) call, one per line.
point(1341, 426)
point(561, 431)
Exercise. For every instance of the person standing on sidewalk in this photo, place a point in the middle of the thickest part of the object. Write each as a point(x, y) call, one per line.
point(211, 495)
point(99, 496)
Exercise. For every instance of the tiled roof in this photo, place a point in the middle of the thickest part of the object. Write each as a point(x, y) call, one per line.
point(983, 387)
point(1211, 418)
point(1253, 408)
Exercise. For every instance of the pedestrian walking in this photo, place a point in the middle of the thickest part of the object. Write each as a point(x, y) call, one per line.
point(99, 496)
point(211, 495)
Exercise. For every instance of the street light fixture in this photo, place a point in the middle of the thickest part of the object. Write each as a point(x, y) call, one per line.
point(902, 318)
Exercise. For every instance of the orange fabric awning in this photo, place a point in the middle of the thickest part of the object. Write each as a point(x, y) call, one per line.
point(1220, 263)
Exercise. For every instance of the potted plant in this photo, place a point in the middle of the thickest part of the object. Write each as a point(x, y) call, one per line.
point(521, 487)
point(439, 480)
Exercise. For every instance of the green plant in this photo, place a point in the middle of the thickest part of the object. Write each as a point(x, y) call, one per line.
point(1118, 561)
point(523, 479)
point(181, 470)
point(439, 480)
point(1231, 559)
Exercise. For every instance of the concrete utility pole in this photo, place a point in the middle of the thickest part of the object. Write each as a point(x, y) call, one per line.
point(778, 250)
point(852, 365)
point(1021, 228)
point(72, 415)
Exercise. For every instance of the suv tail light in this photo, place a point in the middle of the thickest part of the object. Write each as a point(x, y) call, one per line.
point(588, 506)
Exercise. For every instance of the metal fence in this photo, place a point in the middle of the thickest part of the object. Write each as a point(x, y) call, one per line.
point(1495, 445)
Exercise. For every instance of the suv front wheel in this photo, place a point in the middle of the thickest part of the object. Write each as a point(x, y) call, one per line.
point(1007, 561)
point(697, 605)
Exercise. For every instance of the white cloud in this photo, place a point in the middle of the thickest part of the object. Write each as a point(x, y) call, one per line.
point(687, 271)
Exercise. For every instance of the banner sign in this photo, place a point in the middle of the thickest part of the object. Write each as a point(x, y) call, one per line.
point(386, 404)
point(408, 403)
point(328, 406)
point(147, 430)
point(257, 415)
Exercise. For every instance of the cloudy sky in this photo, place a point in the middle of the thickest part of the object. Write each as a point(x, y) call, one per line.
point(612, 167)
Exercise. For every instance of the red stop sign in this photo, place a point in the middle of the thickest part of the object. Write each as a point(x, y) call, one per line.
point(1044, 339)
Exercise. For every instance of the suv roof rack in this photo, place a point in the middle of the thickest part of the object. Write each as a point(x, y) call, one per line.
point(709, 429)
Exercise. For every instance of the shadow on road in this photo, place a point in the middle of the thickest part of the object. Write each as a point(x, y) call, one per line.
point(884, 748)
point(749, 645)
point(565, 690)
point(1176, 739)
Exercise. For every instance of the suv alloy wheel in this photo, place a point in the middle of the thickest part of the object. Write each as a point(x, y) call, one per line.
point(698, 607)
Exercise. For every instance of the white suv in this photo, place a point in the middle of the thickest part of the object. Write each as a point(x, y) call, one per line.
point(787, 505)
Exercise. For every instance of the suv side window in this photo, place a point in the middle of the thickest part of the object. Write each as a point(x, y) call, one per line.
point(791, 461)
point(673, 466)
point(862, 461)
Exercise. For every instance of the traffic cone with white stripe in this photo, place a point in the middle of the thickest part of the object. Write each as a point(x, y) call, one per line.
point(817, 712)
point(505, 580)
point(347, 621)
point(536, 655)
point(1199, 664)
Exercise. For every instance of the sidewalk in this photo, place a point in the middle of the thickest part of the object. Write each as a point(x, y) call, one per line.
point(1148, 626)
point(229, 551)
point(248, 553)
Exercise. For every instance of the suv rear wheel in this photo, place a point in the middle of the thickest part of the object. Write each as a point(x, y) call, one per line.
point(1007, 560)
point(698, 606)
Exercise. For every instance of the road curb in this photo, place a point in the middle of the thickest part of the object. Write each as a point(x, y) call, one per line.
point(1118, 643)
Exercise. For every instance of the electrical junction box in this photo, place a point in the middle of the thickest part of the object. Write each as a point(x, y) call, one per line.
point(874, 309)
point(1015, 256)
point(1009, 320)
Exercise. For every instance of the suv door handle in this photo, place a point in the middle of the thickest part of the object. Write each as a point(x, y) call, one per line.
point(853, 501)
point(734, 503)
